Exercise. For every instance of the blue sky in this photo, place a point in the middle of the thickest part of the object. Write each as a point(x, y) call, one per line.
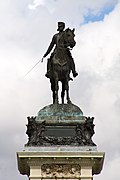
point(91, 16)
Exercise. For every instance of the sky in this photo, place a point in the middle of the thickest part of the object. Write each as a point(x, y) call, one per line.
point(27, 27)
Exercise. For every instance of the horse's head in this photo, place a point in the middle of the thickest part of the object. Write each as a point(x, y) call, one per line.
point(69, 37)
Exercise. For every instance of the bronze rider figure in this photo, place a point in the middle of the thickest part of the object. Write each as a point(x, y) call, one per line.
point(61, 27)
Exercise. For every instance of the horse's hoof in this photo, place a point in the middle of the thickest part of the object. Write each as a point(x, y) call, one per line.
point(56, 102)
point(69, 102)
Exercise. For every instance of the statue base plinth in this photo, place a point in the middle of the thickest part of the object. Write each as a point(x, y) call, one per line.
point(61, 124)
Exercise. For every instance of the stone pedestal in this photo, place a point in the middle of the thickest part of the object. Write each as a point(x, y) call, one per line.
point(60, 145)
point(60, 162)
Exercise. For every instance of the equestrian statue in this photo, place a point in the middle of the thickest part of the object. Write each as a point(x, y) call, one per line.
point(60, 64)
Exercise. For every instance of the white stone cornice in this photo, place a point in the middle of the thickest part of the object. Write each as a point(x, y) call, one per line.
point(27, 159)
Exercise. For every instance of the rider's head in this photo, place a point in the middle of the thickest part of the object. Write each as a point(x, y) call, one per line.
point(61, 26)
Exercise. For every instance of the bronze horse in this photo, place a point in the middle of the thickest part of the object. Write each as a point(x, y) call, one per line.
point(61, 65)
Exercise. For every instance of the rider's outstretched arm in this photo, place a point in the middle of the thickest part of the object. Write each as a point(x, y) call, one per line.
point(50, 47)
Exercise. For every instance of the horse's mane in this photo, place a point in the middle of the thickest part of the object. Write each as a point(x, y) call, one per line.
point(68, 29)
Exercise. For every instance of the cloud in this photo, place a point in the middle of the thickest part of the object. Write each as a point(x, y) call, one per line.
point(62, 9)
point(26, 30)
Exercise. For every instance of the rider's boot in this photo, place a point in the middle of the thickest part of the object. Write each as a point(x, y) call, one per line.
point(48, 74)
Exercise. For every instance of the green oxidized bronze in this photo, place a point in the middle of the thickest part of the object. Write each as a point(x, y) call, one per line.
point(60, 125)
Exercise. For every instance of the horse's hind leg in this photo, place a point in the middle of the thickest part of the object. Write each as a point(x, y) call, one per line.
point(63, 93)
point(67, 93)
point(56, 91)
point(65, 87)
point(54, 95)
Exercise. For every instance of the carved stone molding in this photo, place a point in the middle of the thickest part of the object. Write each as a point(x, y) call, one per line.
point(55, 160)
point(60, 171)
